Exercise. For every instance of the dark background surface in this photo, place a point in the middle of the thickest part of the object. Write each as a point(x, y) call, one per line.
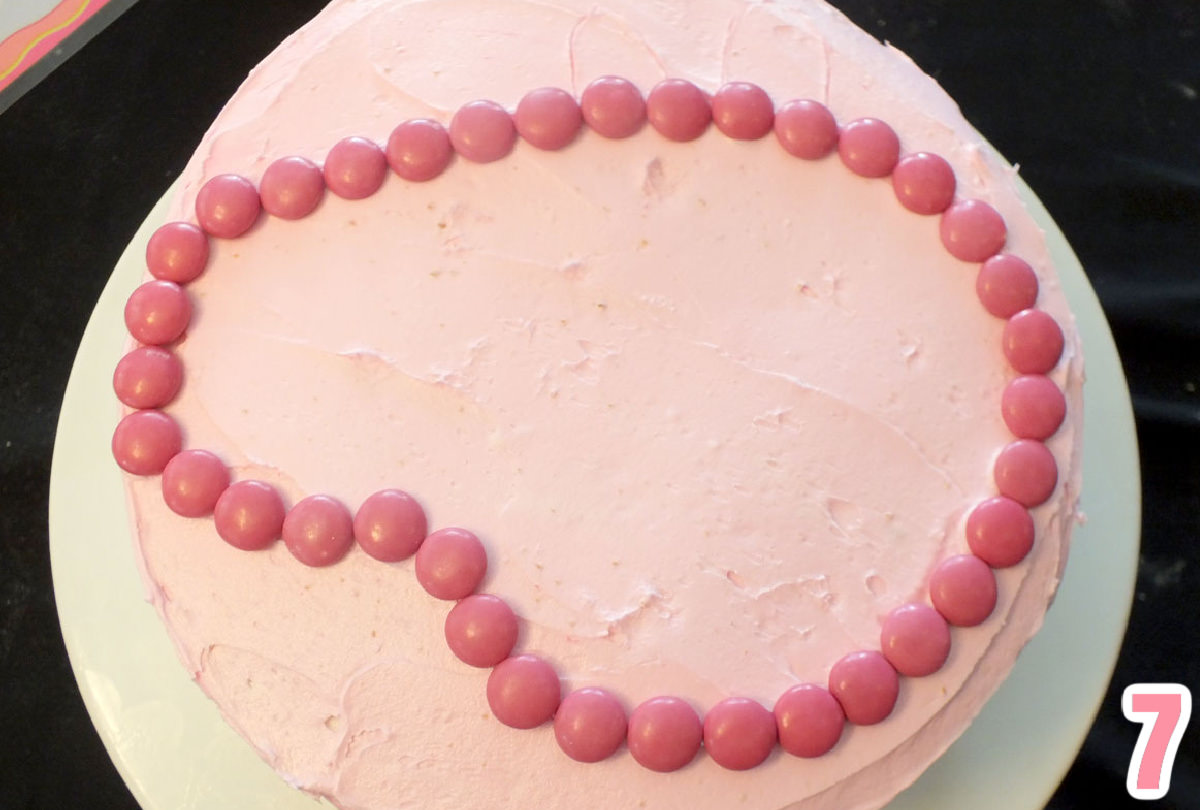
point(1097, 102)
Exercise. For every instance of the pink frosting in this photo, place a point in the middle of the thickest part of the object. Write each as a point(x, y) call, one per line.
point(703, 466)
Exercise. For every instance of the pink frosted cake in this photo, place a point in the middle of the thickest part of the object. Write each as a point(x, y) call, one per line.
point(598, 403)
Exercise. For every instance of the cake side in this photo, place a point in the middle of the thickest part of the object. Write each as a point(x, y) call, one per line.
point(604, 614)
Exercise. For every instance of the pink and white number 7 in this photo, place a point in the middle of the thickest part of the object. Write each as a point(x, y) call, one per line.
point(1163, 709)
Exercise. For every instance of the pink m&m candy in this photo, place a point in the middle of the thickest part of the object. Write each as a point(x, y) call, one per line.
point(739, 733)
point(355, 168)
point(145, 441)
point(177, 251)
point(451, 563)
point(482, 131)
point(664, 734)
point(866, 686)
point(809, 719)
point(1033, 342)
point(1006, 284)
point(613, 107)
point(523, 692)
point(390, 525)
point(147, 377)
point(806, 129)
point(481, 630)
point(227, 206)
point(1000, 532)
point(963, 590)
point(924, 183)
point(678, 109)
point(249, 515)
point(869, 147)
point(192, 481)
point(972, 230)
point(419, 150)
point(1033, 407)
point(291, 188)
point(318, 530)
point(590, 725)
point(157, 312)
point(915, 639)
point(743, 111)
point(1026, 471)
point(548, 118)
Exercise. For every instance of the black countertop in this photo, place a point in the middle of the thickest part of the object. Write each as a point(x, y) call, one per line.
point(1097, 102)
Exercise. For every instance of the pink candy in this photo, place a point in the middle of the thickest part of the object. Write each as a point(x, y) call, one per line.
point(924, 183)
point(613, 107)
point(963, 590)
point(145, 441)
point(481, 630)
point(915, 640)
point(743, 111)
point(227, 206)
point(1026, 472)
point(590, 725)
point(148, 377)
point(664, 734)
point(355, 168)
point(318, 530)
point(192, 482)
point(291, 188)
point(249, 515)
point(972, 230)
point(866, 686)
point(810, 720)
point(1033, 407)
point(806, 129)
point(1000, 532)
point(678, 109)
point(1006, 284)
point(1033, 342)
point(178, 252)
point(390, 525)
point(451, 563)
point(548, 118)
point(482, 131)
point(739, 733)
point(523, 692)
point(869, 147)
point(157, 312)
point(419, 150)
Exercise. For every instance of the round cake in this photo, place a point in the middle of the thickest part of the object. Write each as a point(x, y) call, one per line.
point(660, 405)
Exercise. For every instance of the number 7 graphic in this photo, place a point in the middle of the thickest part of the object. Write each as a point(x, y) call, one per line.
point(1163, 709)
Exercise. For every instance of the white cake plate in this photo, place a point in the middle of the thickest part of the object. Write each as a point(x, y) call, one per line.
point(176, 753)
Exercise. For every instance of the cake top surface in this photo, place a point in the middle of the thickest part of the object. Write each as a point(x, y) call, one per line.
point(713, 410)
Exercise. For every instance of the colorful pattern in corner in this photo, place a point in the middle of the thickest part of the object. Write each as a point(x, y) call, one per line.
point(20, 50)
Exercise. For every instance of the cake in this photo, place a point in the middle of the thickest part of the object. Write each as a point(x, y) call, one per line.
point(662, 405)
